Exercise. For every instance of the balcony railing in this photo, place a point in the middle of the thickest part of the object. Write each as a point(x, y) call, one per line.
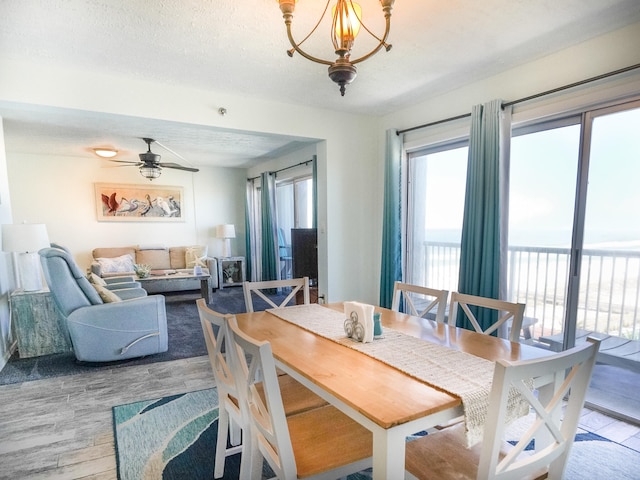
point(609, 299)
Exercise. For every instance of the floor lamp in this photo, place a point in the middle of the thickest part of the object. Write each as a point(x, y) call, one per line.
point(227, 232)
point(26, 240)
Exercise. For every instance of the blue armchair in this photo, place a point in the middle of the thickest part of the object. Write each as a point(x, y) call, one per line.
point(133, 326)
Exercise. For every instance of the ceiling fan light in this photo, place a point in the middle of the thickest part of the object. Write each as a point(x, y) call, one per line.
point(105, 152)
point(150, 172)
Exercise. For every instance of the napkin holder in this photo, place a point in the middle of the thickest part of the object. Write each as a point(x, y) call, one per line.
point(359, 324)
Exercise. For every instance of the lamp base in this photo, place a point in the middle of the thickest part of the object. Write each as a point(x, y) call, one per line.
point(226, 252)
point(29, 268)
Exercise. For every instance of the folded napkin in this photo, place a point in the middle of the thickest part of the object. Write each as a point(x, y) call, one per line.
point(360, 317)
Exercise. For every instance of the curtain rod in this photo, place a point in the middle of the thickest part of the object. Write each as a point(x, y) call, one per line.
point(285, 168)
point(530, 97)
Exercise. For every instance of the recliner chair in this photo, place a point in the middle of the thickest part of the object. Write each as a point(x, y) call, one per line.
point(104, 332)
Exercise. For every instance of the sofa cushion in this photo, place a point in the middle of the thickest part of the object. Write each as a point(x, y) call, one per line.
point(108, 252)
point(106, 295)
point(176, 254)
point(196, 255)
point(157, 259)
point(119, 264)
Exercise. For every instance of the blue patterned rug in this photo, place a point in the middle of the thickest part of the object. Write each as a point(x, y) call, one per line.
point(174, 438)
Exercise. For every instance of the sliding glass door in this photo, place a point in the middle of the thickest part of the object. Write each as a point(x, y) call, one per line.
point(574, 226)
point(542, 190)
point(436, 189)
point(605, 283)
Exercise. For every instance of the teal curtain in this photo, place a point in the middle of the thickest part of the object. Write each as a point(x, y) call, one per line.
point(270, 258)
point(391, 264)
point(314, 184)
point(480, 262)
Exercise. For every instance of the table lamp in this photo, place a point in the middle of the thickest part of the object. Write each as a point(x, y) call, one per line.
point(26, 240)
point(226, 232)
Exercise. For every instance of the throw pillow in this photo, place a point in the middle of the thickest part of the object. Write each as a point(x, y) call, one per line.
point(106, 295)
point(120, 264)
point(196, 255)
point(96, 280)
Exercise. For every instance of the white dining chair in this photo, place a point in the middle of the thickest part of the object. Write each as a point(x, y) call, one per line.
point(559, 379)
point(231, 423)
point(295, 284)
point(416, 294)
point(319, 443)
point(509, 320)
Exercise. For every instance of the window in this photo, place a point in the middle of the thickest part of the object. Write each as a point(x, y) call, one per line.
point(436, 191)
point(573, 235)
point(294, 205)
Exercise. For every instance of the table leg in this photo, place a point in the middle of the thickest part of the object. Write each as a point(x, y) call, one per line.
point(206, 290)
point(388, 454)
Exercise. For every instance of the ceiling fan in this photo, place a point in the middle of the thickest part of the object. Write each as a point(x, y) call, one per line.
point(150, 165)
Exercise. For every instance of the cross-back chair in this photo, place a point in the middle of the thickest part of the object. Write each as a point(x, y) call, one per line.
point(551, 425)
point(318, 443)
point(296, 397)
point(510, 320)
point(435, 299)
point(257, 288)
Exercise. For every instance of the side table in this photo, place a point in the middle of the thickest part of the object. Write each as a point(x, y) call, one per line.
point(231, 271)
point(39, 327)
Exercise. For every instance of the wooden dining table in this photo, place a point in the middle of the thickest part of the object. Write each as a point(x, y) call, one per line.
point(385, 400)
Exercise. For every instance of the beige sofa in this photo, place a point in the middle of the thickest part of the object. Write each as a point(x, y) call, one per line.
point(118, 261)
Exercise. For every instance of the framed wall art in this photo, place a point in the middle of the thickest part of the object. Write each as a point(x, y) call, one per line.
point(139, 203)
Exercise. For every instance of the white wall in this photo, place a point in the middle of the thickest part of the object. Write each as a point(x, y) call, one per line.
point(347, 159)
point(62, 196)
point(600, 55)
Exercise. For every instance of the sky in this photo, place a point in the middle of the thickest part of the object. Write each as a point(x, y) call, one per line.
point(543, 175)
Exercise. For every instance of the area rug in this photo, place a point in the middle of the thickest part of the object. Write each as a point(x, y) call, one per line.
point(174, 438)
point(184, 331)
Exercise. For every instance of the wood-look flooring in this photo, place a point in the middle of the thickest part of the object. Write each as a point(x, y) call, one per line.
point(61, 428)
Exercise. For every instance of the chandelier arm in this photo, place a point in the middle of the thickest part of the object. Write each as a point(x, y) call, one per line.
point(326, 8)
point(297, 48)
point(380, 45)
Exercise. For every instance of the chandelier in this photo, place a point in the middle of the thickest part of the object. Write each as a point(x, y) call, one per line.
point(347, 20)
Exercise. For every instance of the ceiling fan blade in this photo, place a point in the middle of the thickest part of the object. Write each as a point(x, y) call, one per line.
point(119, 166)
point(177, 167)
point(129, 162)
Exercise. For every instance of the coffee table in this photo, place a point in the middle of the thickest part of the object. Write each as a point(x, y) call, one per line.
point(166, 282)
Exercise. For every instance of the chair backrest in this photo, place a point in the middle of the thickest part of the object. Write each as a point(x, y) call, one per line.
point(434, 299)
point(253, 363)
point(69, 286)
point(557, 378)
point(510, 320)
point(218, 346)
point(296, 284)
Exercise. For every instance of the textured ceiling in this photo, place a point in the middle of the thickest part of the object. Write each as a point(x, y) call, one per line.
point(239, 47)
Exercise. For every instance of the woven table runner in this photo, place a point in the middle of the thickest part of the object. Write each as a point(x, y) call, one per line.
point(461, 374)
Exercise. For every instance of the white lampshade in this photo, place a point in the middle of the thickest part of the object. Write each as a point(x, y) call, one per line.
point(226, 231)
point(24, 237)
